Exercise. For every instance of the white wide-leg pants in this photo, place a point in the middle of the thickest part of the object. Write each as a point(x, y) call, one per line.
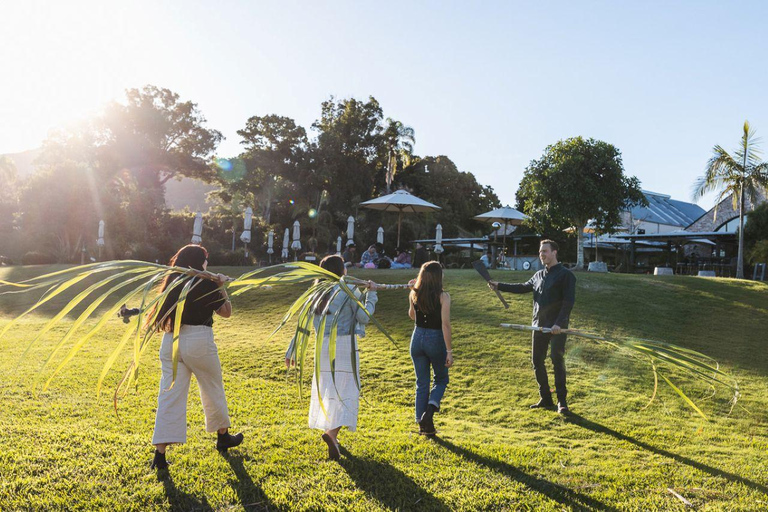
point(198, 355)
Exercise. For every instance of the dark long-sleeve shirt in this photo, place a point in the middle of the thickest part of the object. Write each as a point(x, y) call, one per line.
point(554, 292)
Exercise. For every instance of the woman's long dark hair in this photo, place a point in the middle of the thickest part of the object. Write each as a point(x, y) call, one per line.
point(332, 263)
point(189, 256)
point(428, 288)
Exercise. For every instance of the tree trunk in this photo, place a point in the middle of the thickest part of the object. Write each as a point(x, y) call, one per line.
point(579, 246)
point(740, 258)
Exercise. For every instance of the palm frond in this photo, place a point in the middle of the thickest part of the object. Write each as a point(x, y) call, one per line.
point(696, 365)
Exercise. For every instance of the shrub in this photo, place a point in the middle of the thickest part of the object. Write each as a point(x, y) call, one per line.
point(37, 258)
point(759, 252)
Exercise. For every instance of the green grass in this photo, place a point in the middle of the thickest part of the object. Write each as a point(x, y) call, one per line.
point(65, 449)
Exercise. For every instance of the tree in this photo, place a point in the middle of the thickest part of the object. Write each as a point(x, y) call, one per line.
point(578, 181)
point(741, 175)
point(8, 194)
point(399, 140)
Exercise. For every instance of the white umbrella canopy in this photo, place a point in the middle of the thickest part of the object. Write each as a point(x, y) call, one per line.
point(100, 240)
point(439, 239)
point(296, 244)
point(401, 202)
point(380, 236)
point(271, 242)
point(197, 229)
point(350, 228)
point(338, 245)
point(286, 243)
point(505, 215)
point(246, 236)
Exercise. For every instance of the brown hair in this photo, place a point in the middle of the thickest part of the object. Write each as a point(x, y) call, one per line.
point(428, 288)
point(552, 244)
point(189, 256)
point(332, 263)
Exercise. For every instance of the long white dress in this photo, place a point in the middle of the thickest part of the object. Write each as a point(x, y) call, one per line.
point(340, 399)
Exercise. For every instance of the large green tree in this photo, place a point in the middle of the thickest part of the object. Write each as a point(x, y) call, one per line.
point(577, 181)
point(741, 175)
point(8, 194)
point(398, 142)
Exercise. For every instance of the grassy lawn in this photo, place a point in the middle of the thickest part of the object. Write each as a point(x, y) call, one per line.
point(65, 449)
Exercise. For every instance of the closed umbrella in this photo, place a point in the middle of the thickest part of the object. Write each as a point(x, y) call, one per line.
point(197, 229)
point(380, 235)
point(296, 244)
point(100, 240)
point(271, 242)
point(439, 239)
point(350, 228)
point(401, 202)
point(286, 243)
point(246, 236)
point(338, 245)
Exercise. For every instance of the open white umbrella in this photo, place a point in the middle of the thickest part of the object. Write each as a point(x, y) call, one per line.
point(296, 244)
point(286, 243)
point(197, 229)
point(401, 202)
point(100, 240)
point(380, 236)
point(338, 245)
point(350, 228)
point(246, 236)
point(505, 215)
point(439, 239)
point(270, 242)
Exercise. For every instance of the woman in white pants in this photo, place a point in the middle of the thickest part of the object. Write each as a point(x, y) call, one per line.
point(198, 356)
point(341, 400)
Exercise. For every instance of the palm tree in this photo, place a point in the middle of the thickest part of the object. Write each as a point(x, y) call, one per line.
point(399, 142)
point(740, 175)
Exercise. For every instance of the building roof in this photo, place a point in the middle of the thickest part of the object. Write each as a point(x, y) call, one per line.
point(662, 209)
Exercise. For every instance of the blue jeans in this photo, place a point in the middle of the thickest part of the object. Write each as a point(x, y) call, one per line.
point(428, 348)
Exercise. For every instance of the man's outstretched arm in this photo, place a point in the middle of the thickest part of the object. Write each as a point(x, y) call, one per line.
point(526, 287)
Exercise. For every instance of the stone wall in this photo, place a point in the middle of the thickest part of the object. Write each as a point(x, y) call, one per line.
point(725, 212)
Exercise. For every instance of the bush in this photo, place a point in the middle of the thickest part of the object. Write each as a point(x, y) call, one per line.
point(37, 258)
point(229, 258)
point(4, 260)
point(759, 252)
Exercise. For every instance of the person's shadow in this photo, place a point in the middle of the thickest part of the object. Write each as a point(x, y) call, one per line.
point(388, 485)
point(251, 496)
point(549, 489)
point(602, 429)
point(178, 499)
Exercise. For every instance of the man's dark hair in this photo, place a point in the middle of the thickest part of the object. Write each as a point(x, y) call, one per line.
point(552, 244)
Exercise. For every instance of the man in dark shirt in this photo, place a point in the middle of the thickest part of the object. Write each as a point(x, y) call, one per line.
point(349, 255)
point(554, 292)
point(420, 257)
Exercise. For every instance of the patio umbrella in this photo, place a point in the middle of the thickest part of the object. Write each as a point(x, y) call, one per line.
point(246, 236)
point(505, 215)
point(401, 202)
point(380, 236)
point(350, 228)
point(439, 239)
point(197, 229)
point(296, 244)
point(286, 243)
point(270, 242)
point(338, 245)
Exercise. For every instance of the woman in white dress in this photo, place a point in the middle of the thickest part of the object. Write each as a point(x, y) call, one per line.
point(341, 401)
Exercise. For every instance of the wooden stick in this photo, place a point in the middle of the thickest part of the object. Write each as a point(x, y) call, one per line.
point(548, 330)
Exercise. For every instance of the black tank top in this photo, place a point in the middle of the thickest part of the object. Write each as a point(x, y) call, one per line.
point(433, 320)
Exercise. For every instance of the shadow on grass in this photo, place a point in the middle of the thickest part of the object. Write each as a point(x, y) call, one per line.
point(602, 429)
point(178, 499)
point(251, 496)
point(388, 485)
point(549, 489)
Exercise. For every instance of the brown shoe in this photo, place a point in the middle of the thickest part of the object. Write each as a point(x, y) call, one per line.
point(333, 447)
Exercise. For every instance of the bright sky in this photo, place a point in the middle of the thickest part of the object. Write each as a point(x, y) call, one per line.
point(490, 84)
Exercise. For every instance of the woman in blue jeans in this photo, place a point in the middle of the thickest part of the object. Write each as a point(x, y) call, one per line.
point(430, 308)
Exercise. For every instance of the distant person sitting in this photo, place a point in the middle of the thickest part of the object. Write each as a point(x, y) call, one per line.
point(402, 259)
point(369, 258)
point(350, 255)
point(486, 259)
point(421, 256)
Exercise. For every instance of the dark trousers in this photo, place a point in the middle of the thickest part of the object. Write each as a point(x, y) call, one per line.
point(542, 341)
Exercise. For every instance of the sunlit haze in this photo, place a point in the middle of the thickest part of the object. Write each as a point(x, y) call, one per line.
point(488, 84)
